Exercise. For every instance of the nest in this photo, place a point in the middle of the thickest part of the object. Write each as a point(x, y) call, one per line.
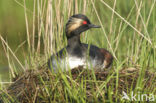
point(42, 85)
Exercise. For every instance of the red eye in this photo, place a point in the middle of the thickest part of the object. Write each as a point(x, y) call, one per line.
point(84, 22)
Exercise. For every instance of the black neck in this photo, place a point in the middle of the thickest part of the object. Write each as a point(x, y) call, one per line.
point(74, 37)
point(74, 41)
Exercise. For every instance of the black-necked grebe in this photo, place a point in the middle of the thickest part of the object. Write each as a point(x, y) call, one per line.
point(75, 54)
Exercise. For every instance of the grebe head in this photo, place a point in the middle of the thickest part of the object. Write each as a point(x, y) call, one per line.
point(77, 24)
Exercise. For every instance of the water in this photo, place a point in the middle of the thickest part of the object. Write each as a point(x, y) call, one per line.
point(4, 73)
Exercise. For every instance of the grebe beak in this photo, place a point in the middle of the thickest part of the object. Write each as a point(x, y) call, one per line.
point(94, 26)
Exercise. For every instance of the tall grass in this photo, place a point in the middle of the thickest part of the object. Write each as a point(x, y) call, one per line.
point(127, 30)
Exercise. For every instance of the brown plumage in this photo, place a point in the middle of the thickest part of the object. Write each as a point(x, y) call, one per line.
point(108, 57)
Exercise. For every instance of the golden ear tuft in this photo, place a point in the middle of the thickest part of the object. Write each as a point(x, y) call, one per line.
point(74, 24)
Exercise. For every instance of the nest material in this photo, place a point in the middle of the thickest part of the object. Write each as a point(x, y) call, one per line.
point(31, 86)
